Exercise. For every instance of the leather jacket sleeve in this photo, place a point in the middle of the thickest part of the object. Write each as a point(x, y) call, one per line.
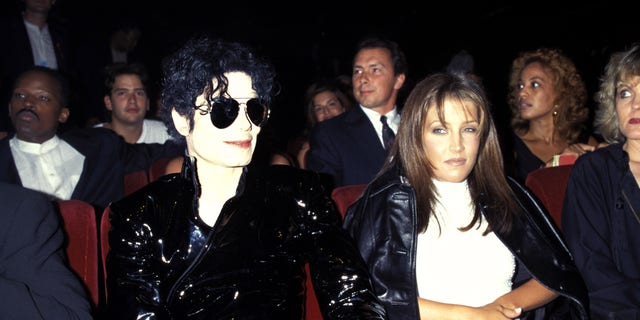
point(131, 278)
point(340, 277)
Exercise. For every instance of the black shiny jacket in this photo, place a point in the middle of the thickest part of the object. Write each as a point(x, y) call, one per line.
point(383, 223)
point(165, 263)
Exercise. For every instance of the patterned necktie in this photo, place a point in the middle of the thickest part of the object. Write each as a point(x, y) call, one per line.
point(387, 133)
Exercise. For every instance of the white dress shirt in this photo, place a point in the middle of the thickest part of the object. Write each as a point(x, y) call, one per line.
point(53, 167)
point(393, 120)
point(42, 46)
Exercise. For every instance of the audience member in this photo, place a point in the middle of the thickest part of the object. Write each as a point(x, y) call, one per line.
point(35, 36)
point(549, 114)
point(351, 147)
point(324, 99)
point(35, 282)
point(121, 44)
point(221, 240)
point(127, 99)
point(85, 164)
point(600, 219)
point(445, 234)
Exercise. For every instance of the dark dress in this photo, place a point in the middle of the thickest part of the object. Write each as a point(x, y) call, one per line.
point(524, 161)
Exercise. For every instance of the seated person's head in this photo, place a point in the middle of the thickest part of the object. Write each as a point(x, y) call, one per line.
point(126, 96)
point(616, 97)
point(325, 100)
point(39, 103)
point(216, 94)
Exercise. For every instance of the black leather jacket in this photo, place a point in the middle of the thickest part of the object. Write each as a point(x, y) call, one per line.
point(383, 224)
point(165, 263)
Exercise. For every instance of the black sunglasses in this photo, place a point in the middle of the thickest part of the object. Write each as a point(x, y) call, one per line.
point(224, 111)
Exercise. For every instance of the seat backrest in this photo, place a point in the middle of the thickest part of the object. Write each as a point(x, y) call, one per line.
point(79, 222)
point(343, 197)
point(135, 180)
point(105, 226)
point(548, 185)
point(158, 169)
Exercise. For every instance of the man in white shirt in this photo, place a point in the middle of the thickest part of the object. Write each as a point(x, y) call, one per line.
point(85, 164)
point(127, 99)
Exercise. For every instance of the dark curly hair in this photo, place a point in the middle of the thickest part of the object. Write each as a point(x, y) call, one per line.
point(571, 92)
point(202, 61)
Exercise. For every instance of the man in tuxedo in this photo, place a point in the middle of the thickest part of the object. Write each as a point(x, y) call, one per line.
point(351, 146)
point(87, 164)
point(35, 282)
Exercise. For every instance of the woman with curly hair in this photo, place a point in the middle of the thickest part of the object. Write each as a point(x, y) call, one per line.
point(549, 115)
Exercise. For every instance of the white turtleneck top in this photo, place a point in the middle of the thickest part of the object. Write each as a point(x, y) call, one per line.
point(458, 267)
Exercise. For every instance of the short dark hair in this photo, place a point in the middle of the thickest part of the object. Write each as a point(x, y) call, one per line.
point(62, 80)
point(115, 70)
point(189, 71)
point(400, 65)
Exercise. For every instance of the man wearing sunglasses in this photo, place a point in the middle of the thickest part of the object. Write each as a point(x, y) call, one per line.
point(221, 239)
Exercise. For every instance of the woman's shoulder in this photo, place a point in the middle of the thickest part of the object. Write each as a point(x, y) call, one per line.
point(612, 153)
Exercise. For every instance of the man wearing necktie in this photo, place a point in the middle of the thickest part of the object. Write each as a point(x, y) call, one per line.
point(352, 147)
point(387, 134)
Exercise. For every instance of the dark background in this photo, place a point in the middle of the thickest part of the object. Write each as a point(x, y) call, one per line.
point(307, 40)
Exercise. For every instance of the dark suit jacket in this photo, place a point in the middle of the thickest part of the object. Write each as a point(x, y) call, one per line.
point(107, 159)
point(35, 282)
point(346, 147)
point(16, 55)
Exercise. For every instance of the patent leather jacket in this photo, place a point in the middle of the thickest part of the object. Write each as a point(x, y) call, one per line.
point(383, 224)
point(165, 263)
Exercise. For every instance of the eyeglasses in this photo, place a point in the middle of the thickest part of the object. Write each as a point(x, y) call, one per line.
point(224, 111)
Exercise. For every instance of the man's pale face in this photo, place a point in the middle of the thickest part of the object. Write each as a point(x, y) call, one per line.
point(375, 86)
point(452, 147)
point(128, 101)
point(232, 146)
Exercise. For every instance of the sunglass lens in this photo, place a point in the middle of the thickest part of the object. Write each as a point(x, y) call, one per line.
point(257, 112)
point(224, 112)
